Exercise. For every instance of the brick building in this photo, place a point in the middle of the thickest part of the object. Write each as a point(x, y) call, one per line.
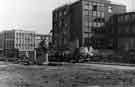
point(82, 23)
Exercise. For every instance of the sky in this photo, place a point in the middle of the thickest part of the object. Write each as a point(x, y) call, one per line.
point(34, 15)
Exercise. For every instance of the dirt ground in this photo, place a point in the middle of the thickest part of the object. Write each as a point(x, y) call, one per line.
point(13, 75)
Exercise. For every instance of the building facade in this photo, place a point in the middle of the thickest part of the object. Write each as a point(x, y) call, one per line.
point(61, 26)
point(19, 41)
point(82, 22)
point(1, 43)
point(121, 28)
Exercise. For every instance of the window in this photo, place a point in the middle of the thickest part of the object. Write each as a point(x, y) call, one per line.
point(90, 6)
point(86, 23)
point(98, 14)
point(90, 24)
point(86, 29)
point(102, 24)
point(85, 2)
point(86, 18)
point(110, 9)
point(60, 14)
point(94, 8)
point(90, 12)
point(119, 19)
point(102, 5)
point(94, 24)
point(94, 13)
point(98, 24)
point(127, 18)
point(94, 3)
point(102, 8)
point(60, 23)
point(86, 12)
point(65, 12)
point(85, 35)
point(86, 6)
point(98, 4)
point(102, 14)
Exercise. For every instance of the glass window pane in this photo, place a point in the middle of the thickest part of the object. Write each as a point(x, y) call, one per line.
point(98, 14)
point(102, 14)
point(110, 9)
point(94, 13)
point(86, 12)
point(94, 24)
point(90, 24)
point(90, 7)
point(90, 12)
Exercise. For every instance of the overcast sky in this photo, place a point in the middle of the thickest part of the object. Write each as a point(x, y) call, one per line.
point(32, 14)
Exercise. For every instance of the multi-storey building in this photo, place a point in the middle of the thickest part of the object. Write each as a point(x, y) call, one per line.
point(82, 22)
point(121, 29)
point(18, 41)
point(61, 26)
point(1, 43)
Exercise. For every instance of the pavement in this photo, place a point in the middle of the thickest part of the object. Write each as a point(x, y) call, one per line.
point(108, 67)
point(69, 75)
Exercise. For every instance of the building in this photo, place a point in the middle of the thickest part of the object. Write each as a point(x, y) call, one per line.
point(1, 43)
point(81, 23)
point(41, 37)
point(17, 42)
point(121, 29)
point(61, 26)
point(20, 42)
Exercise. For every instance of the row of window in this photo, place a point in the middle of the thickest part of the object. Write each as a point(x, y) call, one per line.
point(126, 43)
point(94, 13)
point(126, 30)
point(9, 44)
point(96, 6)
point(31, 45)
point(9, 35)
point(58, 14)
point(93, 3)
point(94, 24)
point(24, 34)
point(98, 43)
point(24, 39)
point(25, 46)
point(126, 18)
point(18, 35)
point(91, 20)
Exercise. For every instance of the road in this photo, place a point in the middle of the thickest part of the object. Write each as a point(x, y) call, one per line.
point(71, 75)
